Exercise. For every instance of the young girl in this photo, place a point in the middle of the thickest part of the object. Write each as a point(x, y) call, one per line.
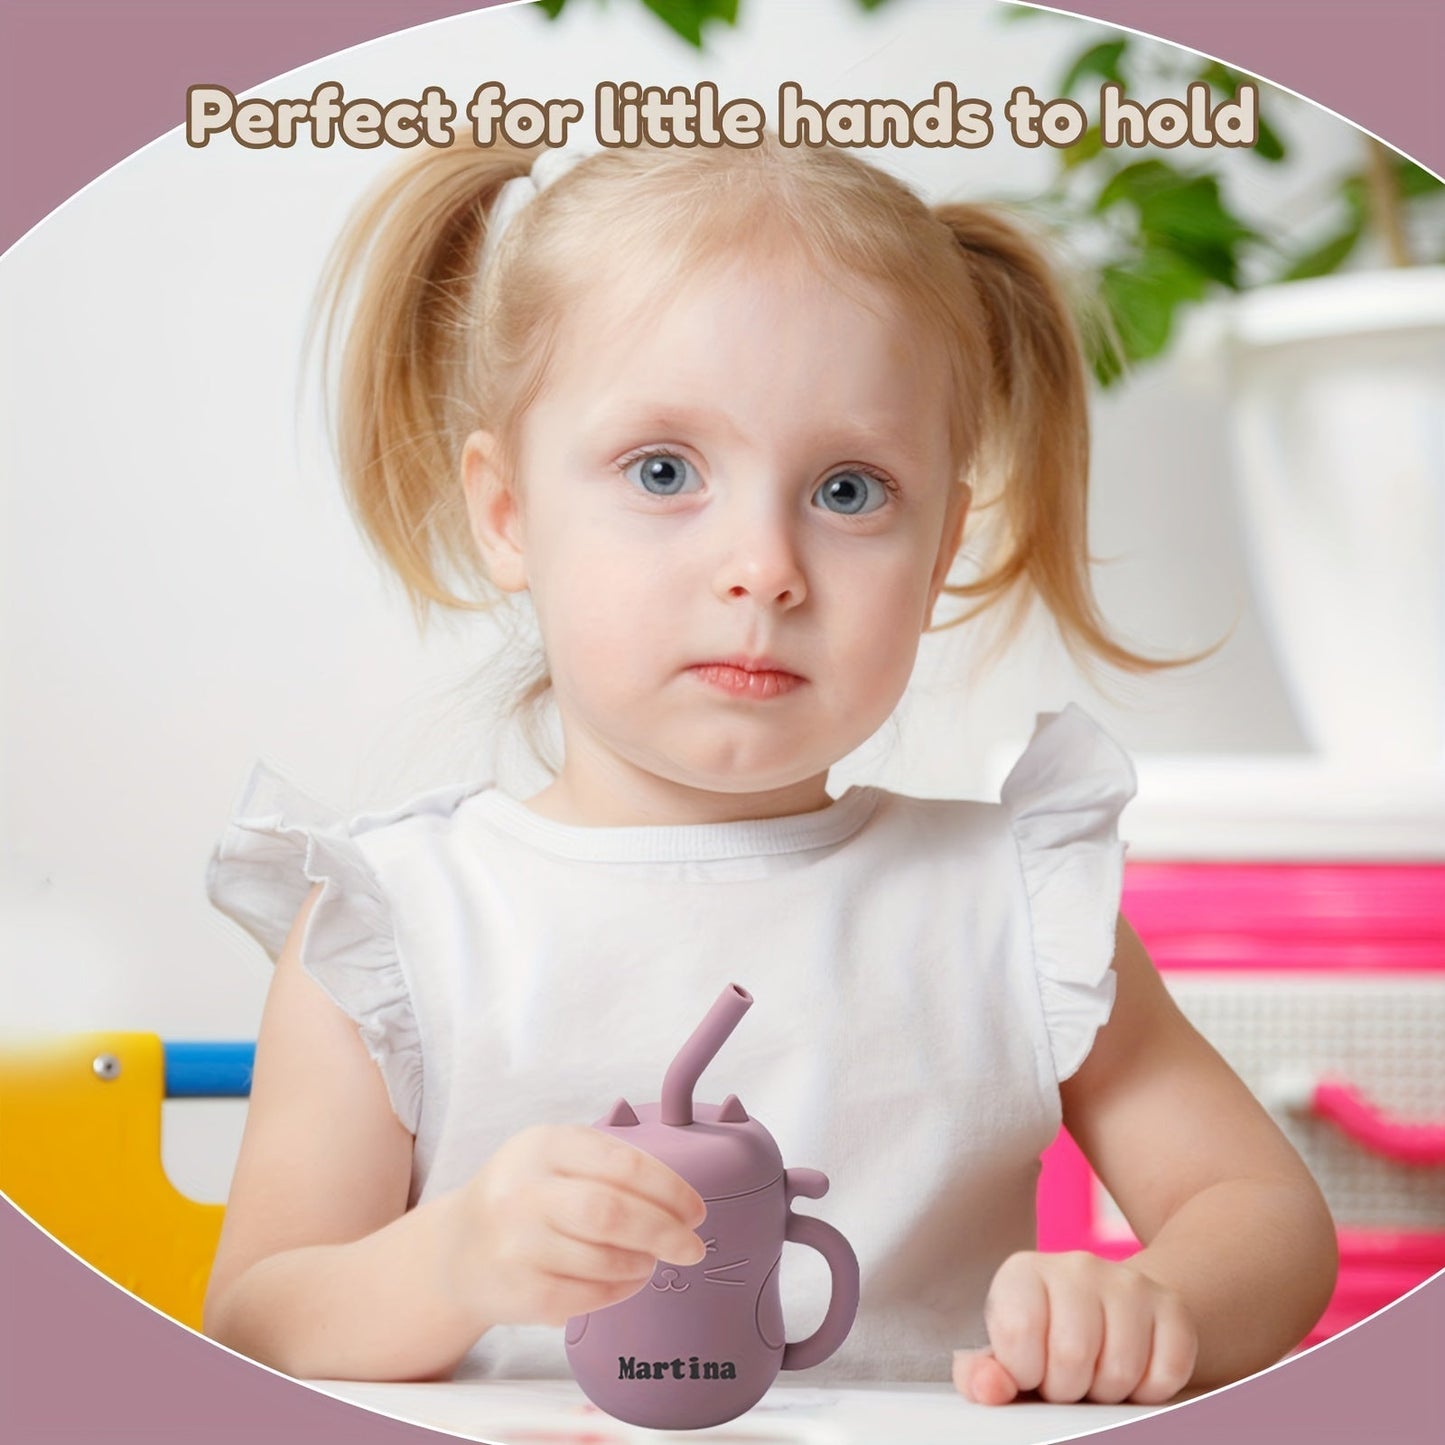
point(721, 415)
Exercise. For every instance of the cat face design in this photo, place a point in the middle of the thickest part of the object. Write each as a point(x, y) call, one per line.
point(672, 1279)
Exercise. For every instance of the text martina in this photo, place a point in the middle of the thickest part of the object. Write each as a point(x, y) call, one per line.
point(628, 114)
point(629, 1367)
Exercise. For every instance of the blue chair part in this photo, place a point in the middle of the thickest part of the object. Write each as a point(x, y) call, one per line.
point(209, 1070)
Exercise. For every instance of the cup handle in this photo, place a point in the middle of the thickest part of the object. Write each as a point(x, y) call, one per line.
point(842, 1262)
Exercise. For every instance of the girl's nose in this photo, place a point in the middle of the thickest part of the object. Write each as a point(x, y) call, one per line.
point(763, 565)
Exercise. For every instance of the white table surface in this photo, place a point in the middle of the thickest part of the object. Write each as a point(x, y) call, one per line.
point(555, 1412)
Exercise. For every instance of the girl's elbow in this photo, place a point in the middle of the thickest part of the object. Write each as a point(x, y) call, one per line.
point(1328, 1254)
point(219, 1323)
point(1317, 1254)
point(213, 1314)
point(223, 1320)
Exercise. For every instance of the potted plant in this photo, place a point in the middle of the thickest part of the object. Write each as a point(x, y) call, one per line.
point(1333, 341)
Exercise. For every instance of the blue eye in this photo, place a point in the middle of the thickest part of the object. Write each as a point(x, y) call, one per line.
point(663, 474)
point(850, 494)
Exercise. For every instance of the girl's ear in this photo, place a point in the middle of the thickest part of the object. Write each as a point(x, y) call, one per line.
point(953, 520)
point(496, 519)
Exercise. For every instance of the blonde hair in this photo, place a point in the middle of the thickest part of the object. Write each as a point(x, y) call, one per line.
point(435, 349)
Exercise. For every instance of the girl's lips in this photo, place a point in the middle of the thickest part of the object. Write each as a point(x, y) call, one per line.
point(759, 680)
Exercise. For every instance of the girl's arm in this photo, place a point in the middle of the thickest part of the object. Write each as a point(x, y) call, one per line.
point(1239, 1252)
point(1231, 1219)
point(323, 1273)
point(320, 1271)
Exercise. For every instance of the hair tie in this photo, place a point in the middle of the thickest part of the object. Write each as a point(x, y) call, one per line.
point(549, 166)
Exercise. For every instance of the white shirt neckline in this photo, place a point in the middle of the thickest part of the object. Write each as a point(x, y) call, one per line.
point(691, 843)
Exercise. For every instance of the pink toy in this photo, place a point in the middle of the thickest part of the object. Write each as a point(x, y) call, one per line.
point(1353, 1115)
point(697, 1346)
point(1300, 921)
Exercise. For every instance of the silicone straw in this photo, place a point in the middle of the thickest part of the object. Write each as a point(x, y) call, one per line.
point(698, 1052)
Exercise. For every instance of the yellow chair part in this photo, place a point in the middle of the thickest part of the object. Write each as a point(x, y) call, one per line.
point(80, 1153)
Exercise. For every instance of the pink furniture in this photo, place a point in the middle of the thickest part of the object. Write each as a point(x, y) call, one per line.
point(1324, 986)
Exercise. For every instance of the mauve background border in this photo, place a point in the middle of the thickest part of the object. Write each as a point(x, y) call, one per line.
point(82, 1361)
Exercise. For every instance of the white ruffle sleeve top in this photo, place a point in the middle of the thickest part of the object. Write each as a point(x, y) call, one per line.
point(925, 975)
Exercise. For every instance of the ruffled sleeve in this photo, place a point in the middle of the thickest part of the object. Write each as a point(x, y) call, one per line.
point(278, 844)
point(1063, 799)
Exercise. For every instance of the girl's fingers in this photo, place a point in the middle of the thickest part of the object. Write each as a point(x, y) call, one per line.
point(602, 1215)
point(578, 1152)
point(554, 1251)
point(1017, 1316)
point(979, 1377)
point(1172, 1353)
point(1075, 1337)
point(1072, 1326)
point(554, 1299)
point(1128, 1332)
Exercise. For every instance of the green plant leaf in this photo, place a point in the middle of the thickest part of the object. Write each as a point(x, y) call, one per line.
point(1101, 60)
point(687, 17)
point(1173, 276)
point(1193, 210)
point(1208, 257)
point(1415, 180)
point(1143, 315)
point(873, 4)
point(1223, 81)
point(1135, 182)
point(1172, 200)
point(551, 8)
point(1223, 78)
point(1104, 361)
point(1086, 148)
point(1326, 257)
point(1356, 196)
point(1142, 299)
point(1268, 145)
point(1219, 263)
point(1182, 215)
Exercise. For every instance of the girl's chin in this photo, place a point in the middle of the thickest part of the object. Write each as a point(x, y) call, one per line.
point(777, 791)
point(694, 766)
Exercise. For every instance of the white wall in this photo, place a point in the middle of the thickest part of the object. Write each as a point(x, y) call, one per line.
point(183, 589)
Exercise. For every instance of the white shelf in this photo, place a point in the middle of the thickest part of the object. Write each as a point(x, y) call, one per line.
point(1282, 809)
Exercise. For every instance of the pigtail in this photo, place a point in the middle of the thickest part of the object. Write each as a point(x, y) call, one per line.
point(408, 265)
point(1031, 450)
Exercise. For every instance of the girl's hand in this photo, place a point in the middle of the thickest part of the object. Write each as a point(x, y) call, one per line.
point(1073, 1327)
point(563, 1220)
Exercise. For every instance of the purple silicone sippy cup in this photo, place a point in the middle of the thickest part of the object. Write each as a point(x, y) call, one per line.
point(699, 1345)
